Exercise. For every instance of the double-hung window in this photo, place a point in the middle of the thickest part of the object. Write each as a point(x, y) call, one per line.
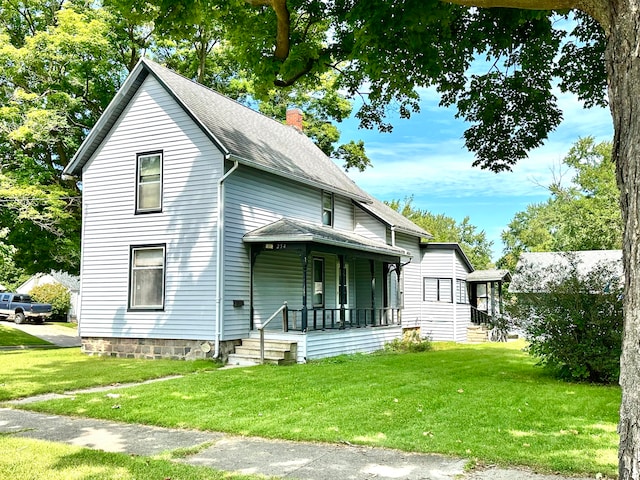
point(327, 209)
point(147, 277)
point(149, 183)
point(438, 290)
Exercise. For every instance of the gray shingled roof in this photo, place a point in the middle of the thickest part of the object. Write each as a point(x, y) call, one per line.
point(241, 133)
point(287, 230)
point(586, 260)
point(393, 218)
point(492, 275)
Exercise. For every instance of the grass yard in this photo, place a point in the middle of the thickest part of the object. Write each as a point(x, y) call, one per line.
point(32, 372)
point(11, 337)
point(485, 402)
point(34, 459)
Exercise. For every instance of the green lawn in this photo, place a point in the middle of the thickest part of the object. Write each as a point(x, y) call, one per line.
point(11, 337)
point(27, 373)
point(484, 402)
point(22, 458)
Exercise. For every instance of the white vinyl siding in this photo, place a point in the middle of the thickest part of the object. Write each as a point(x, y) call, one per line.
point(368, 226)
point(411, 283)
point(153, 121)
point(253, 199)
point(444, 319)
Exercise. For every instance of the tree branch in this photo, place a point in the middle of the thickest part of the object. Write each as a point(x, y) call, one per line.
point(283, 27)
point(598, 9)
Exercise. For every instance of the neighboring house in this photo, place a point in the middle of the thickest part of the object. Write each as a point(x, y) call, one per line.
point(445, 310)
point(70, 282)
point(205, 221)
point(558, 262)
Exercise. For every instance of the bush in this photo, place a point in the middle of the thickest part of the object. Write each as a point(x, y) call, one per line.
point(55, 294)
point(411, 341)
point(572, 318)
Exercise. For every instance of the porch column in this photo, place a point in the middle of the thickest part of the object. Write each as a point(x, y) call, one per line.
point(400, 293)
point(305, 266)
point(254, 256)
point(342, 290)
point(372, 268)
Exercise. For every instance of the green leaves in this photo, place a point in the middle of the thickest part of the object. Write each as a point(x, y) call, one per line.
point(583, 215)
point(474, 243)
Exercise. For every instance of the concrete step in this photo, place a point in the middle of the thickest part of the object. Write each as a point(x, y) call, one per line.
point(249, 360)
point(275, 352)
point(269, 344)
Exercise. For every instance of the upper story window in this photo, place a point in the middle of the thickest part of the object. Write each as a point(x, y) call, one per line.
point(147, 277)
point(149, 183)
point(327, 209)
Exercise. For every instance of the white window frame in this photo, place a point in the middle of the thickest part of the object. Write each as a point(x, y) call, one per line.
point(328, 212)
point(140, 182)
point(133, 277)
point(318, 287)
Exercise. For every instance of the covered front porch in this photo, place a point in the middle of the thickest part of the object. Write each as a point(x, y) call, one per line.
point(332, 291)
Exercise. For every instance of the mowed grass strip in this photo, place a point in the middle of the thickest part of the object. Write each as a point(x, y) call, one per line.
point(12, 337)
point(33, 372)
point(22, 458)
point(486, 402)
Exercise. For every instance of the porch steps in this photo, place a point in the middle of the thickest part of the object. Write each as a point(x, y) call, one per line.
point(477, 333)
point(275, 352)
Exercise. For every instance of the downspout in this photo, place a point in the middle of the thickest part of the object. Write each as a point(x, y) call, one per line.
point(219, 252)
point(393, 235)
point(454, 286)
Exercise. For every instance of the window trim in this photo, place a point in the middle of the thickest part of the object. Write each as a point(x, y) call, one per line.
point(461, 286)
point(149, 308)
point(331, 210)
point(157, 209)
point(438, 289)
point(321, 261)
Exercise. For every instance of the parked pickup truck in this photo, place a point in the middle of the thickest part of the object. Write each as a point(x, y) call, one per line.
point(20, 308)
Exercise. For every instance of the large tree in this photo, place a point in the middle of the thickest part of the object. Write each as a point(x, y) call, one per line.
point(474, 242)
point(391, 47)
point(583, 214)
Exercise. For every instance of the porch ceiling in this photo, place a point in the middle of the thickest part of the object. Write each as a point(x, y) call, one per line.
point(295, 231)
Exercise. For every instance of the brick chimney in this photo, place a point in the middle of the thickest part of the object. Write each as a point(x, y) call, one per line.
point(294, 118)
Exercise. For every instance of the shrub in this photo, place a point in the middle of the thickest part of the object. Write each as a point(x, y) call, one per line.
point(55, 294)
point(572, 318)
point(411, 341)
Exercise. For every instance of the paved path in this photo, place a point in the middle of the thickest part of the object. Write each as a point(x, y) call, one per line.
point(59, 335)
point(249, 455)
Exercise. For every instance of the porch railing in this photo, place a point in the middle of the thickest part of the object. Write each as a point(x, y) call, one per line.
point(479, 317)
point(261, 328)
point(340, 318)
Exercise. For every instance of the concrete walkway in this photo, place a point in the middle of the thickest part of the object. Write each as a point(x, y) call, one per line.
point(250, 455)
point(62, 336)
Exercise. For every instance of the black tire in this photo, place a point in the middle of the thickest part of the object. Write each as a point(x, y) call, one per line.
point(38, 321)
point(19, 318)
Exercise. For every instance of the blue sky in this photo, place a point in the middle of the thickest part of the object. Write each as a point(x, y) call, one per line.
point(425, 157)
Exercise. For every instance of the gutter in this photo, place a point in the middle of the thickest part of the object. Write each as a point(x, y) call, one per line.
point(219, 252)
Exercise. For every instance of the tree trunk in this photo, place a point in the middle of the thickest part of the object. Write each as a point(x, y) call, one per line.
point(623, 64)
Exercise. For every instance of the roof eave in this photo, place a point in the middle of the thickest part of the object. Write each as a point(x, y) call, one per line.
point(302, 238)
point(297, 178)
